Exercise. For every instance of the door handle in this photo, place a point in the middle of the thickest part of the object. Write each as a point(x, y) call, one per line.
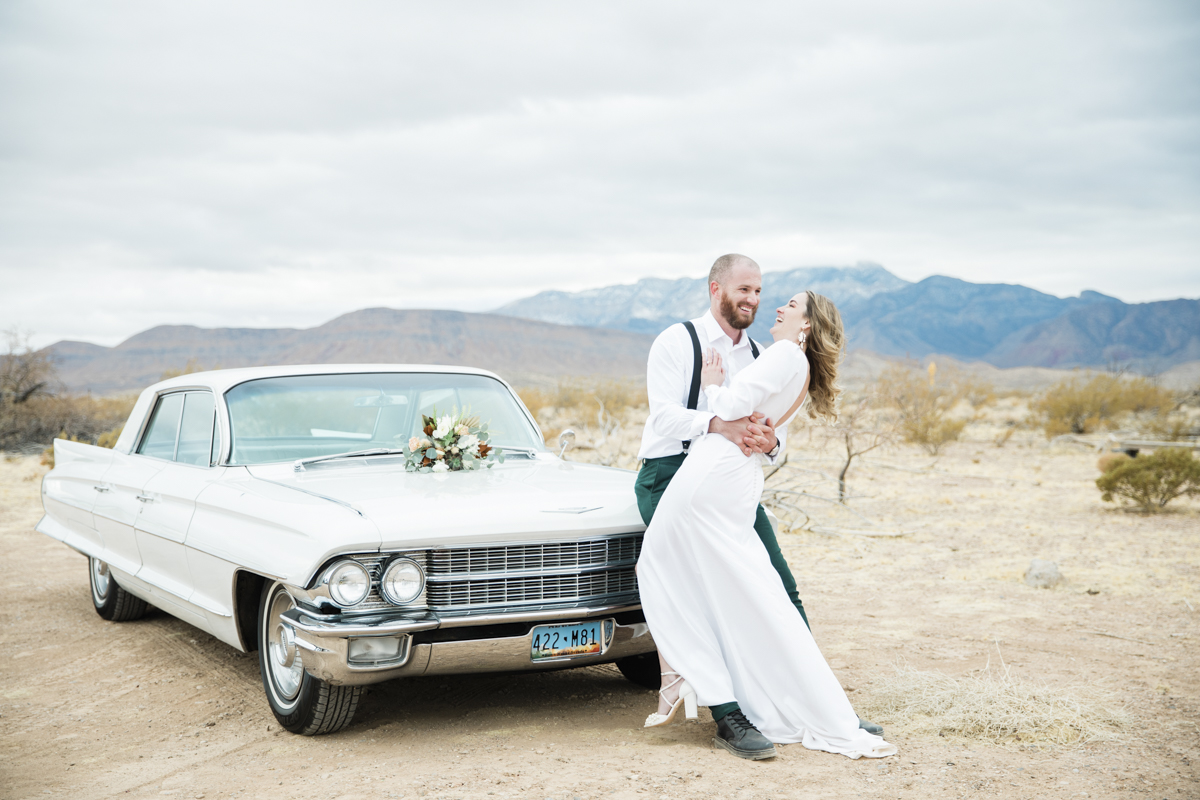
point(102, 489)
point(145, 498)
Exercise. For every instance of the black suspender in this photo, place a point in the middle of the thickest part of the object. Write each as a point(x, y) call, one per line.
point(694, 392)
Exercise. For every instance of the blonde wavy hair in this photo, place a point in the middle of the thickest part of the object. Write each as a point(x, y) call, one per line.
point(825, 349)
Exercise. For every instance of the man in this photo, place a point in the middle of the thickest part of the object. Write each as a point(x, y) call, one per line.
point(734, 286)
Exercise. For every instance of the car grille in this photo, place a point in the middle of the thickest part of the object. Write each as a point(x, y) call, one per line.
point(541, 573)
point(535, 589)
point(546, 556)
point(559, 573)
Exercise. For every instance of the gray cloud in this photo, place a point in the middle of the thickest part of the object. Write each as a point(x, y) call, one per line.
point(279, 163)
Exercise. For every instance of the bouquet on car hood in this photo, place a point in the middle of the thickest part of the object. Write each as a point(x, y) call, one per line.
point(452, 442)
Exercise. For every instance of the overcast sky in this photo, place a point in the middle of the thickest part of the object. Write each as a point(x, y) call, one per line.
point(276, 164)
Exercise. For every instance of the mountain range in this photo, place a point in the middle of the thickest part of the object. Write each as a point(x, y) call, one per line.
point(518, 349)
point(607, 332)
point(1005, 325)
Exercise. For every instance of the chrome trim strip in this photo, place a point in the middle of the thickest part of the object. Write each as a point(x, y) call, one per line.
point(340, 629)
point(310, 492)
point(528, 573)
point(535, 616)
point(441, 548)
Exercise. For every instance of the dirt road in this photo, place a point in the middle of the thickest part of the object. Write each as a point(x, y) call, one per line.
point(154, 708)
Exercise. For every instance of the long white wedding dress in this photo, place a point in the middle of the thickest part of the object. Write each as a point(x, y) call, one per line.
point(716, 607)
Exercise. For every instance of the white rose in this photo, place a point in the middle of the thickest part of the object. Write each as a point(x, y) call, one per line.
point(443, 427)
point(469, 443)
point(441, 466)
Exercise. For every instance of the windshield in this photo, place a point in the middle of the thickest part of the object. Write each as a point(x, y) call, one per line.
point(284, 419)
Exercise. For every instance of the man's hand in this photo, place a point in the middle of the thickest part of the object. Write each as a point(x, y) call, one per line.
point(760, 434)
point(737, 431)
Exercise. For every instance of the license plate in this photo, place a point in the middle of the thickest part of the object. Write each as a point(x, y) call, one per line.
point(565, 641)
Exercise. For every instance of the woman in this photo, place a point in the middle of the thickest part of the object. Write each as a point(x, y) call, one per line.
point(725, 629)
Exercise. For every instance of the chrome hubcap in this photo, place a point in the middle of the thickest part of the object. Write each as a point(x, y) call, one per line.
point(285, 652)
point(100, 579)
point(284, 662)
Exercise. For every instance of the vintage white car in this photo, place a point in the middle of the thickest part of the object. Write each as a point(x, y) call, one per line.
point(271, 508)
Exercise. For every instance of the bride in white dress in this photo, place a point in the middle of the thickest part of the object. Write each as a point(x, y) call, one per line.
point(718, 611)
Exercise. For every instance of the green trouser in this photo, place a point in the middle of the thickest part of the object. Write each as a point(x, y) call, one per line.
point(652, 481)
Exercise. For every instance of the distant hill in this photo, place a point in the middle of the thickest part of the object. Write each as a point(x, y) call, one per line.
point(516, 349)
point(608, 332)
point(1001, 324)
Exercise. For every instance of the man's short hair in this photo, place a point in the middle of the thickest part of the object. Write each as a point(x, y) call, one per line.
point(724, 265)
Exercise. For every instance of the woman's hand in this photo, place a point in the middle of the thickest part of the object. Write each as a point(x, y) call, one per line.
point(713, 374)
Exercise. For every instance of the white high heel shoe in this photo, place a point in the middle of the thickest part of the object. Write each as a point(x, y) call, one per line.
point(687, 699)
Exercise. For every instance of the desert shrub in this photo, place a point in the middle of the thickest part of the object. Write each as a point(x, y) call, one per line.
point(601, 405)
point(1110, 460)
point(922, 405)
point(109, 438)
point(1076, 406)
point(994, 706)
point(39, 420)
point(534, 399)
point(25, 373)
point(1152, 481)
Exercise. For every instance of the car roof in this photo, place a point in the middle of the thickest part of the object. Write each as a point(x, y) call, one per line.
point(221, 380)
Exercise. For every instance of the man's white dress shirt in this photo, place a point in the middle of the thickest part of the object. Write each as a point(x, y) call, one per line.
point(669, 379)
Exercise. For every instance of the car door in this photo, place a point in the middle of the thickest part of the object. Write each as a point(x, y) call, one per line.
point(168, 501)
point(119, 503)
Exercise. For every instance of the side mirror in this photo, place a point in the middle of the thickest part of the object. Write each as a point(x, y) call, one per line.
point(565, 440)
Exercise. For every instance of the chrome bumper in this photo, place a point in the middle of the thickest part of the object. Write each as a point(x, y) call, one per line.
point(323, 644)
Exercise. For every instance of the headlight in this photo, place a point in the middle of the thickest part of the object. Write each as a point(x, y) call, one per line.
point(403, 581)
point(349, 583)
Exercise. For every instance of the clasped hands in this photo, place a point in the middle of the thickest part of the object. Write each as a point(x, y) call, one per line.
point(753, 434)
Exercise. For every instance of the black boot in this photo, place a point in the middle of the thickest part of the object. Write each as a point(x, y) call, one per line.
point(738, 736)
point(870, 727)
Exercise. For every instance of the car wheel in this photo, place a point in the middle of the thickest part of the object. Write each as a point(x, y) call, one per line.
point(642, 669)
point(302, 704)
point(110, 600)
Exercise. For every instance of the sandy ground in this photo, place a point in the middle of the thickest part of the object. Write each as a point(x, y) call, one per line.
point(92, 709)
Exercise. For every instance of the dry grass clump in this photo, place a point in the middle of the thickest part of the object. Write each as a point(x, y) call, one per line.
point(1105, 402)
point(605, 415)
point(923, 402)
point(583, 402)
point(994, 706)
point(39, 420)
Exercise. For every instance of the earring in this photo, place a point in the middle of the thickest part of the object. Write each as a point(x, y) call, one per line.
point(802, 338)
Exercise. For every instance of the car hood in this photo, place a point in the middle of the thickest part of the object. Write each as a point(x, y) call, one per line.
point(520, 500)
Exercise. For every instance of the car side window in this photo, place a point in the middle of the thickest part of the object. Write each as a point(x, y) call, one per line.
point(196, 429)
point(163, 430)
